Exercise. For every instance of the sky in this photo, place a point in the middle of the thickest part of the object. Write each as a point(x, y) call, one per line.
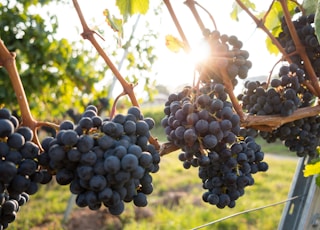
point(173, 69)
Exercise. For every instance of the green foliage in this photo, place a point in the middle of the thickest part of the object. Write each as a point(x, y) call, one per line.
point(115, 23)
point(272, 19)
point(309, 6)
point(130, 7)
point(56, 75)
point(271, 47)
point(236, 9)
point(312, 168)
point(318, 180)
point(273, 22)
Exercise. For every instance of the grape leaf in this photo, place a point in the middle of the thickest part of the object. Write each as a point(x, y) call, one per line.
point(273, 21)
point(318, 181)
point(312, 169)
point(275, 14)
point(115, 23)
point(271, 47)
point(273, 17)
point(236, 9)
point(309, 6)
point(130, 7)
point(173, 43)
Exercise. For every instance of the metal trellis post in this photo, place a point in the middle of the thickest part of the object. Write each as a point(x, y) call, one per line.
point(302, 213)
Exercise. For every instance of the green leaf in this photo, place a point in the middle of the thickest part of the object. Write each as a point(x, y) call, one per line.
point(275, 14)
point(113, 22)
point(309, 6)
point(271, 47)
point(130, 7)
point(174, 44)
point(273, 17)
point(312, 169)
point(131, 59)
point(318, 180)
point(236, 9)
point(313, 161)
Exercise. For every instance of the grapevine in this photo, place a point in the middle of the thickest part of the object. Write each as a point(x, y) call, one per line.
point(109, 161)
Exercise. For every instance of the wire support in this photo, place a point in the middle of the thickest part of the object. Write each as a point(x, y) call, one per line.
point(246, 211)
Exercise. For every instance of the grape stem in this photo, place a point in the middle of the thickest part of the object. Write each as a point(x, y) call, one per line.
point(191, 5)
point(167, 148)
point(300, 48)
point(8, 61)
point(271, 72)
point(127, 87)
point(271, 122)
point(186, 46)
point(89, 34)
point(260, 24)
point(113, 109)
point(229, 88)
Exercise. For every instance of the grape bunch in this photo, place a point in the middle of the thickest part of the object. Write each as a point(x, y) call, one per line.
point(304, 26)
point(285, 95)
point(203, 124)
point(225, 53)
point(104, 161)
point(20, 172)
point(10, 207)
point(300, 136)
point(230, 170)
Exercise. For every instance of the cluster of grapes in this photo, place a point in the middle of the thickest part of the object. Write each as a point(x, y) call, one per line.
point(20, 171)
point(230, 171)
point(300, 136)
point(225, 53)
point(203, 124)
point(10, 207)
point(285, 95)
point(106, 162)
point(306, 32)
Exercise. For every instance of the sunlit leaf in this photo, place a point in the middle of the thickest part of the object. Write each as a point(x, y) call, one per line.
point(318, 181)
point(312, 169)
point(131, 59)
point(271, 47)
point(130, 7)
point(116, 24)
point(236, 9)
point(273, 17)
point(174, 44)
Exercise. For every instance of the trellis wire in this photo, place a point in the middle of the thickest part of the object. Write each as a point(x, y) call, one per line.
point(246, 211)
